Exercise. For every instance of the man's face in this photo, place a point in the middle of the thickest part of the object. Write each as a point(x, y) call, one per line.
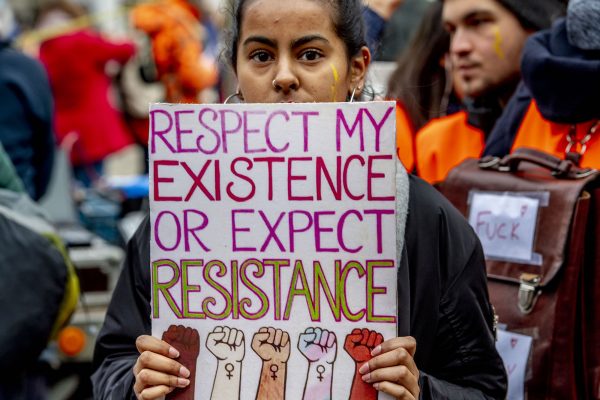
point(486, 44)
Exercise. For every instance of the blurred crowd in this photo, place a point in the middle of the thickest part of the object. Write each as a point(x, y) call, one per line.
point(91, 91)
point(480, 78)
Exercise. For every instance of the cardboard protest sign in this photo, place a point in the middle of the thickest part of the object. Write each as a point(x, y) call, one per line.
point(273, 245)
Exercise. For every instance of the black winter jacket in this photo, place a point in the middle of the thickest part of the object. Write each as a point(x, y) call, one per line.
point(442, 298)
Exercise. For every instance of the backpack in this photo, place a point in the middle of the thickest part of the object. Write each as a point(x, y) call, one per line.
point(39, 288)
point(548, 295)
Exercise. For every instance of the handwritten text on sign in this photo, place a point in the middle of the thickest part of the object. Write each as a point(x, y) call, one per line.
point(273, 243)
point(505, 224)
point(514, 349)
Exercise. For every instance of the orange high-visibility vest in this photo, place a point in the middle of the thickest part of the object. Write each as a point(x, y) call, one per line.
point(444, 143)
point(540, 134)
point(405, 144)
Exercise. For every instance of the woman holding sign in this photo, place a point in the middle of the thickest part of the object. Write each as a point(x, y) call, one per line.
point(315, 51)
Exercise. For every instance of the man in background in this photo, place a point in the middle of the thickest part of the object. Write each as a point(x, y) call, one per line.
point(487, 38)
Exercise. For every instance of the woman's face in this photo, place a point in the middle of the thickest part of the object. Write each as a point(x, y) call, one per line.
point(289, 51)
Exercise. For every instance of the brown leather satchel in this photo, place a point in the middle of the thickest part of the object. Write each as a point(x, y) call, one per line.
point(554, 295)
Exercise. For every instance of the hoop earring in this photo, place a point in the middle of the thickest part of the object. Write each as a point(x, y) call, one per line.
point(237, 94)
point(354, 92)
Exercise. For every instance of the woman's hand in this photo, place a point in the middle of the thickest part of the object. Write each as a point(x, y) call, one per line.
point(392, 369)
point(156, 372)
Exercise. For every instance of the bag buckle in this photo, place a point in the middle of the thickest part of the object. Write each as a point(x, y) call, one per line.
point(529, 290)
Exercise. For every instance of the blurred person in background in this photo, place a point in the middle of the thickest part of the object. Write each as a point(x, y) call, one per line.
point(9, 179)
point(33, 294)
point(25, 112)
point(558, 101)
point(88, 124)
point(400, 28)
point(175, 31)
point(376, 14)
point(177, 45)
point(422, 83)
point(486, 41)
point(37, 297)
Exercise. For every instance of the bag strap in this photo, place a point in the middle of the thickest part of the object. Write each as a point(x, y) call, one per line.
point(559, 168)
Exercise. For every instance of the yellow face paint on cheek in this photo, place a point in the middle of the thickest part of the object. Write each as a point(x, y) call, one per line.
point(336, 78)
point(498, 43)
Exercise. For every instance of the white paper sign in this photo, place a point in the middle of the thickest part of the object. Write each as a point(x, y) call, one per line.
point(273, 248)
point(514, 349)
point(505, 224)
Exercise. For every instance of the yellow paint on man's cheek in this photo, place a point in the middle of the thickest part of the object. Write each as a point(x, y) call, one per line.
point(336, 78)
point(498, 43)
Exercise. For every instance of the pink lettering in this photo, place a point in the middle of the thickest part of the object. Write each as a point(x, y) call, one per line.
point(513, 232)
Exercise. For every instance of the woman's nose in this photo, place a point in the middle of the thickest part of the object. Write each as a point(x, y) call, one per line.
point(285, 78)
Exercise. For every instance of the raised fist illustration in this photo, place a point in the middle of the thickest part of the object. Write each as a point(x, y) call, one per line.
point(272, 344)
point(187, 342)
point(226, 343)
point(318, 344)
point(360, 343)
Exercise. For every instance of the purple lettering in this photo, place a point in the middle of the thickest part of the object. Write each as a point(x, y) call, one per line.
point(319, 230)
point(272, 231)
point(192, 230)
point(375, 175)
point(305, 115)
point(161, 134)
point(340, 231)
point(211, 130)
point(293, 227)
point(250, 131)
point(177, 226)
point(358, 123)
point(179, 132)
point(225, 130)
point(235, 229)
point(378, 126)
point(268, 134)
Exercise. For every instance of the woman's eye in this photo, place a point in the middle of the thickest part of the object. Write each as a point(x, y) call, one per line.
point(260, 56)
point(310, 55)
